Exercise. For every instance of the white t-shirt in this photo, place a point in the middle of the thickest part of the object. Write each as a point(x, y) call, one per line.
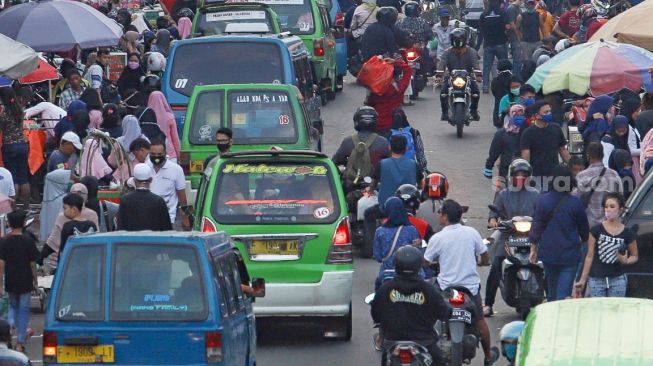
point(166, 182)
point(7, 183)
point(49, 112)
point(94, 75)
point(455, 247)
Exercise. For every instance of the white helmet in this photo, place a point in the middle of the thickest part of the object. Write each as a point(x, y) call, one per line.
point(156, 62)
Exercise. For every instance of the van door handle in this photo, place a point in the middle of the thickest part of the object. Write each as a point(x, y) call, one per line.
point(81, 341)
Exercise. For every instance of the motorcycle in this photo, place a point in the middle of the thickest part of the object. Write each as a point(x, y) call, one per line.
point(522, 283)
point(458, 336)
point(413, 57)
point(364, 200)
point(459, 99)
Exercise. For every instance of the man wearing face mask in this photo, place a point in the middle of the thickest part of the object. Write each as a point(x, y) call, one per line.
point(169, 183)
point(224, 140)
point(542, 142)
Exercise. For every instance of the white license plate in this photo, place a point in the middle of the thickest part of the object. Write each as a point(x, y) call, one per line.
point(459, 100)
point(461, 315)
point(519, 241)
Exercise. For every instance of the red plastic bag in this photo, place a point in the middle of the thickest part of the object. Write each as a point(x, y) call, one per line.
point(376, 75)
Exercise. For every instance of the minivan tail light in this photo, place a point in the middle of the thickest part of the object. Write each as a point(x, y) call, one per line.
point(213, 347)
point(318, 47)
point(208, 226)
point(184, 162)
point(339, 25)
point(340, 251)
point(49, 347)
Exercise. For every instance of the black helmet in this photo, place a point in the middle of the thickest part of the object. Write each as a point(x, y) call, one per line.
point(410, 195)
point(408, 260)
point(387, 15)
point(365, 118)
point(520, 165)
point(151, 83)
point(458, 38)
point(412, 9)
point(185, 12)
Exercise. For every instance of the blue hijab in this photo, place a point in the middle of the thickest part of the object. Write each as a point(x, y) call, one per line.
point(397, 214)
point(598, 127)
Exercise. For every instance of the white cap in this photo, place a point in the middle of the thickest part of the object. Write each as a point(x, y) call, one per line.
point(142, 172)
point(72, 137)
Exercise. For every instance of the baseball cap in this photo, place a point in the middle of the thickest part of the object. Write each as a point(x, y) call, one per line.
point(142, 172)
point(73, 139)
point(444, 12)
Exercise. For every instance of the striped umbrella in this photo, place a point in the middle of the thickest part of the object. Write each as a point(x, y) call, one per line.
point(596, 68)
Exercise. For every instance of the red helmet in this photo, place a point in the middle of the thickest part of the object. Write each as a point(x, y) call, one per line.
point(437, 186)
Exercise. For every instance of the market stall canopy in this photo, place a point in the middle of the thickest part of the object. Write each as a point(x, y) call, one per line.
point(43, 72)
point(596, 68)
point(633, 26)
point(59, 25)
point(17, 59)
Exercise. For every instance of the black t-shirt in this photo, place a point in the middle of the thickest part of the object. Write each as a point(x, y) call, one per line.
point(143, 210)
point(18, 251)
point(544, 144)
point(493, 27)
point(605, 263)
point(73, 228)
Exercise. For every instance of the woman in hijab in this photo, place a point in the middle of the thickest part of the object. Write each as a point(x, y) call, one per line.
point(166, 121)
point(92, 163)
point(619, 133)
point(597, 123)
point(111, 121)
point(392, 235)
point(131, 130)
point(162, 42)
point(92, 186)
point(631, 108)
point(130, 77)
point(505, 144)
point(500, 86)
point(148, 38)
point(124, 18)
point(622, 163)
point(80, 123)
point(184, 25)
point(400, 123)
point(129, 42)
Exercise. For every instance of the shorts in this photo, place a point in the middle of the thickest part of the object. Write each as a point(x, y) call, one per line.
point(15, 157)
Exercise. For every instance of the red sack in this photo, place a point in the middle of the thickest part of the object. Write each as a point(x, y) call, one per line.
point(376, 75)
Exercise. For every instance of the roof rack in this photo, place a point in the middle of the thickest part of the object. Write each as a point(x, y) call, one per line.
point(275, 153)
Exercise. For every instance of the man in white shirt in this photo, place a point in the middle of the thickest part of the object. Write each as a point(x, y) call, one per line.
point(169, 183)
point(49, 113)
point(95, 74)
point(456, 247)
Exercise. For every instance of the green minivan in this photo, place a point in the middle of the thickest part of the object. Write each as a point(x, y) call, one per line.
point(260, 116)
point(286, 212)
point(213, 19)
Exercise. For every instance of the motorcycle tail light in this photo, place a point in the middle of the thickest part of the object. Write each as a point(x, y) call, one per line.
point(405, 356)
point(411, 55)
point(458, 298)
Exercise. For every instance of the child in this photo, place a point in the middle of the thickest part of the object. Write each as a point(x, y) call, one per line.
point(18, 256)
point(73, 204)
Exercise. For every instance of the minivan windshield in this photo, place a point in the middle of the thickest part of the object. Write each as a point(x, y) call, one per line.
point(214, 21)
point(209, 63)
point(157, 283)
point(295, 16)
point(275, 192)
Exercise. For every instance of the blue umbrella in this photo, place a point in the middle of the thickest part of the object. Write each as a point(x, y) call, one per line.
point(59, 25)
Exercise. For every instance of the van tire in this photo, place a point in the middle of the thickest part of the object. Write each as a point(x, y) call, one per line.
point(344, 326)
point(340, 83)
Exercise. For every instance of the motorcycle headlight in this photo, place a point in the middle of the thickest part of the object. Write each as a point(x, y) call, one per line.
point(523, 226)
point(459, 82)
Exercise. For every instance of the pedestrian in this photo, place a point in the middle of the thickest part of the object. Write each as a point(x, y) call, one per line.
point(631, 109)
point(184, 25)
point(111, 120)
point(529, 29)
point(548, 19)
point(48, 114)
point(594, 182)
point(576, 165)
point(514, 10)
point(120, 157)
point(505, 144)
point(599, 117)
point(66, 123)
point(379, 38)
point(94, 106)
point(547, 48)
point(169, 183)
point(528, 69)
point(66, 66)
point(162, 42)
point(131, 75)
point(223, 141)
point(142, 209)
point(96, 74)
point(644, 121)
point(73, 204)
point(542, 142)
point(74, 91)
point(165, 119)
point(18, 256)
point(93, 163)
point(8, 355)
point(92, 186)
point(55, 187)
point(500, 87)
point(610, 247)
point(15, 149)
point(140, 148)
point(511, 98)
point(415, 146)
point(129, 43)
point(569, 23)
point(7, 187)
point(442, 30)
point(622, 163)
point(66, 157)
point(493, 23)
point(559, 228)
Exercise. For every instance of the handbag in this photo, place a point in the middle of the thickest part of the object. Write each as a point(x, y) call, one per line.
point(394, 244)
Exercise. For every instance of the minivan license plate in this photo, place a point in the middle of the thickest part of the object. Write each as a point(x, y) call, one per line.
point(85, 354)
point(461, 315)
point(274, 247)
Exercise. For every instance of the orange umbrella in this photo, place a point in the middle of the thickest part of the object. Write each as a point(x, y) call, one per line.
point(43, 72)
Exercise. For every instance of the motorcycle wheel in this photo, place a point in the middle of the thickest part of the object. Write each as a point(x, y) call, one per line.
point(459, 118)
point(456, 354)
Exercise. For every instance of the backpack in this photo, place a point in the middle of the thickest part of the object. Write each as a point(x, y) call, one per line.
point(406, 132)
point(359, 164)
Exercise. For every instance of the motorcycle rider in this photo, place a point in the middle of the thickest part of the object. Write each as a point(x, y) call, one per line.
point(379, 38)
point(442, 32)
point(459, 57)
point(411, 196)
point(407, 307)
point(416, 27)
point(517, 199)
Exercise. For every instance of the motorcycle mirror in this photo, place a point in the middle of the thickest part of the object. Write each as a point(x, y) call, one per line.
point(367, 180)
point(465, 208)
point(369, 298)
point(493, 208)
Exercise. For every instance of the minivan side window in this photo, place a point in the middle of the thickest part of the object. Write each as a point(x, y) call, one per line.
point(645, 209)
point(222, 287)
point(80, 295)
point(230, 261)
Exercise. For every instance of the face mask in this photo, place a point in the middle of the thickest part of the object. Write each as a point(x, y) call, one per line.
point(157, 160)
point(612, 215)
point(548, 118)
point(519, 121)
point(529, 101)
point(133, 65)
point(224, 147)
point(514, 91)
point(518, 182)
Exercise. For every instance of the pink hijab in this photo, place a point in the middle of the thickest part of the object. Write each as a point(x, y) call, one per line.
point(165, 118)
point(93, 165)
point(184, 26)
point(95, 118)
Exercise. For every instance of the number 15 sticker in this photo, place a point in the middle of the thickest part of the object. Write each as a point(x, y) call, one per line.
point(284, 119)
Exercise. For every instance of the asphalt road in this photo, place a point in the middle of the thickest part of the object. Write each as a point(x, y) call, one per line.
point(285, 343)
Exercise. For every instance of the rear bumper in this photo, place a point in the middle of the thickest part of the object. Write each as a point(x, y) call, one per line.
point(329, 297)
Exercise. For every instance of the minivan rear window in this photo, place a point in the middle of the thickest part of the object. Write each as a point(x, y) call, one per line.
point(275, 192)
point(80, 294)
point(262, 116)
point(295, 16)
point(209, 63)
point(214, 22)
point(157, 283)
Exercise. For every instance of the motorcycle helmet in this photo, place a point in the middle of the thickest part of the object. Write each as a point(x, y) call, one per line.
point(410, 195)
point(365, 118)
point(509, 336)
point(437, 186)
point(520, 165)
point(185, 12)
point(151, 83)
point(408, 260)
point(156, 62)
point(387, 15)
point(458, 38)
point(412, 9)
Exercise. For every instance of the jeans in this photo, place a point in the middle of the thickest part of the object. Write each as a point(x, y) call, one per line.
point(489, 53)
point(19, 313)
point(608, 286)
point(517, 56)
point(493, 280)
point(559, 280)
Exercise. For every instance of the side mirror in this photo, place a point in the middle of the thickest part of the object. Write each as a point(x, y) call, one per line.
point(465, 209)
point(258, 285)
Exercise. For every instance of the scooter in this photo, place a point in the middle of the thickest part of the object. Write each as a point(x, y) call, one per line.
point(459, 95)
point(357, 210)
point(458, 336)
point(413, 56)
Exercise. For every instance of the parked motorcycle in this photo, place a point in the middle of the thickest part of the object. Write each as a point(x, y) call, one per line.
point(522, 283)
point(459, 99)
point(413, 57)
point(458, 337)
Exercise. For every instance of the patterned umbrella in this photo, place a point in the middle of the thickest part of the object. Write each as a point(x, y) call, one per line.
point(59, 25)
point(595, 67)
